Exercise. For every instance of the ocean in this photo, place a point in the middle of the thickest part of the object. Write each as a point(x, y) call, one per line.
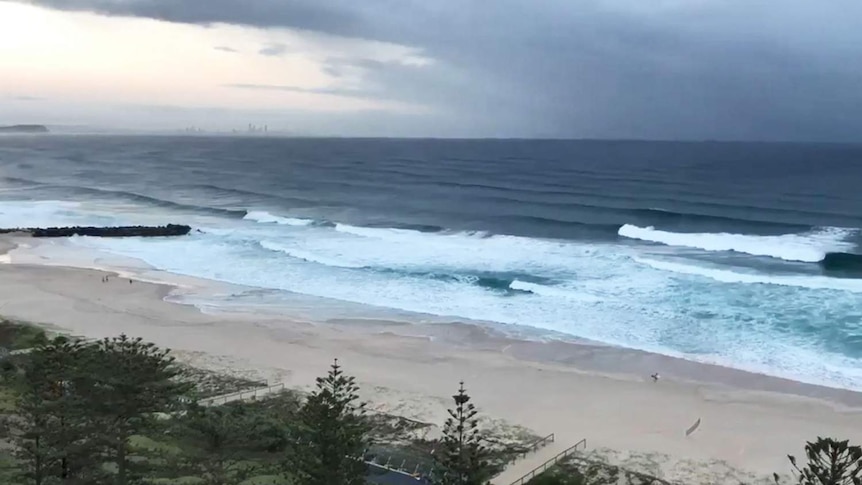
point(742, 254)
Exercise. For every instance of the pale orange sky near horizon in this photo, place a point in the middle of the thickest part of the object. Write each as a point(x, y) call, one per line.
point(88, 58)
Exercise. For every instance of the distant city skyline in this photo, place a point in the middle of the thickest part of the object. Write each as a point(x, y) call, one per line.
point(666, 69)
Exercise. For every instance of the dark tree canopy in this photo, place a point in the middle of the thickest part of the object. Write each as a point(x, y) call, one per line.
point(54, 429)
point(462, 457)
point(131, 380)
point(830, 462)
point(218, 440)
point(333, 433)
point(79, 404)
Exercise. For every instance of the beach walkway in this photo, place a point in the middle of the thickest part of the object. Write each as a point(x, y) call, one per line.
point(521, 471)
point(241, 395)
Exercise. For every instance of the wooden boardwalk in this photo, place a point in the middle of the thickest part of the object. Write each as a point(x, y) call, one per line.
point(522, 471)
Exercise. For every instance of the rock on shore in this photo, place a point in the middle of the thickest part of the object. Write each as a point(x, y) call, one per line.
point(118, 231)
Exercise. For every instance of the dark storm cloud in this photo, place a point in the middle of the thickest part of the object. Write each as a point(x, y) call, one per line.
point(751, 69)
point(301, 14)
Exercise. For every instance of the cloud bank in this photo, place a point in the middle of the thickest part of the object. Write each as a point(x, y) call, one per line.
point(666, 69)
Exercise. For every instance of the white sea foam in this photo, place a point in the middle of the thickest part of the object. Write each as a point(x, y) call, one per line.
point(267, 218)
point(394, 234)
point(809, 247)
point(307, 255)
point(603, 291)
point(727, 276)
point(554, 291)
point(613, 298)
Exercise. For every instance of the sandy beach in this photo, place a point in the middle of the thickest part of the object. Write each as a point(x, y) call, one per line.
point(749, 422)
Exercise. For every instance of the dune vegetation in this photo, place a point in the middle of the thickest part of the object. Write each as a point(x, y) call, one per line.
point(122, 411)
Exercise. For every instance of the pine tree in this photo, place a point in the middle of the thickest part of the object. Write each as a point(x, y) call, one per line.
point(38, 447)
point(130, 380)
point(830, 462)
point(217, 441)
point(462, 458)
point(331, 438)
point(55, 436)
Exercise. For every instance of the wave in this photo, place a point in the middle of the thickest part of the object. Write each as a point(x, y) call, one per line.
point(700, 214)
point(508, 283)
point(842, 264)
point(266, 217)
point(489, 282)
point(307, 256)
point(728, 276)
point(226, 190)
point(392, 233)
point(138, 198)
point(553, 291)
point(153, 201)
point(219, 191)
point(544, 226)
point(601, 222)
point(663, 217)
point(426, 228)
point(811, 247)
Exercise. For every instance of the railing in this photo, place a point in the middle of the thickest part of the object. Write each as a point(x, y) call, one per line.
point(240, 395)
point(553, 461)
point(417, 474)
point(533, 447)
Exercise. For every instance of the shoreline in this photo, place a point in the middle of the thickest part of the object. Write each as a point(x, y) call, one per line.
point(546, 347)
point(576, 390)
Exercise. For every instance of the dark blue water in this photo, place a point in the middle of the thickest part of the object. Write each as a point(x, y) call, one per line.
point(739, 253)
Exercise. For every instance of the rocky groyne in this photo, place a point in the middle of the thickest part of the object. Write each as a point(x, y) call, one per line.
point(116, 231)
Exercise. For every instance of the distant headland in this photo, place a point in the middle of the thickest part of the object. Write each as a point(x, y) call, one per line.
point(24, 129)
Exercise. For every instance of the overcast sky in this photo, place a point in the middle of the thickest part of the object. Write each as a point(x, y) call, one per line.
point(656, 69)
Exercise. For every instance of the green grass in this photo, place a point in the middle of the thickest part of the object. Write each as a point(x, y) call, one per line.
point(579, 470)
point(8, 400)
point(147, 443)
point(15, 335)
point(267, 480)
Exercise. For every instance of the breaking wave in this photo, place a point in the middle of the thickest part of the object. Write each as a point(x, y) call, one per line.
point(810, 247)
point(730, 276)
point(266, 217)
point(842, 264)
